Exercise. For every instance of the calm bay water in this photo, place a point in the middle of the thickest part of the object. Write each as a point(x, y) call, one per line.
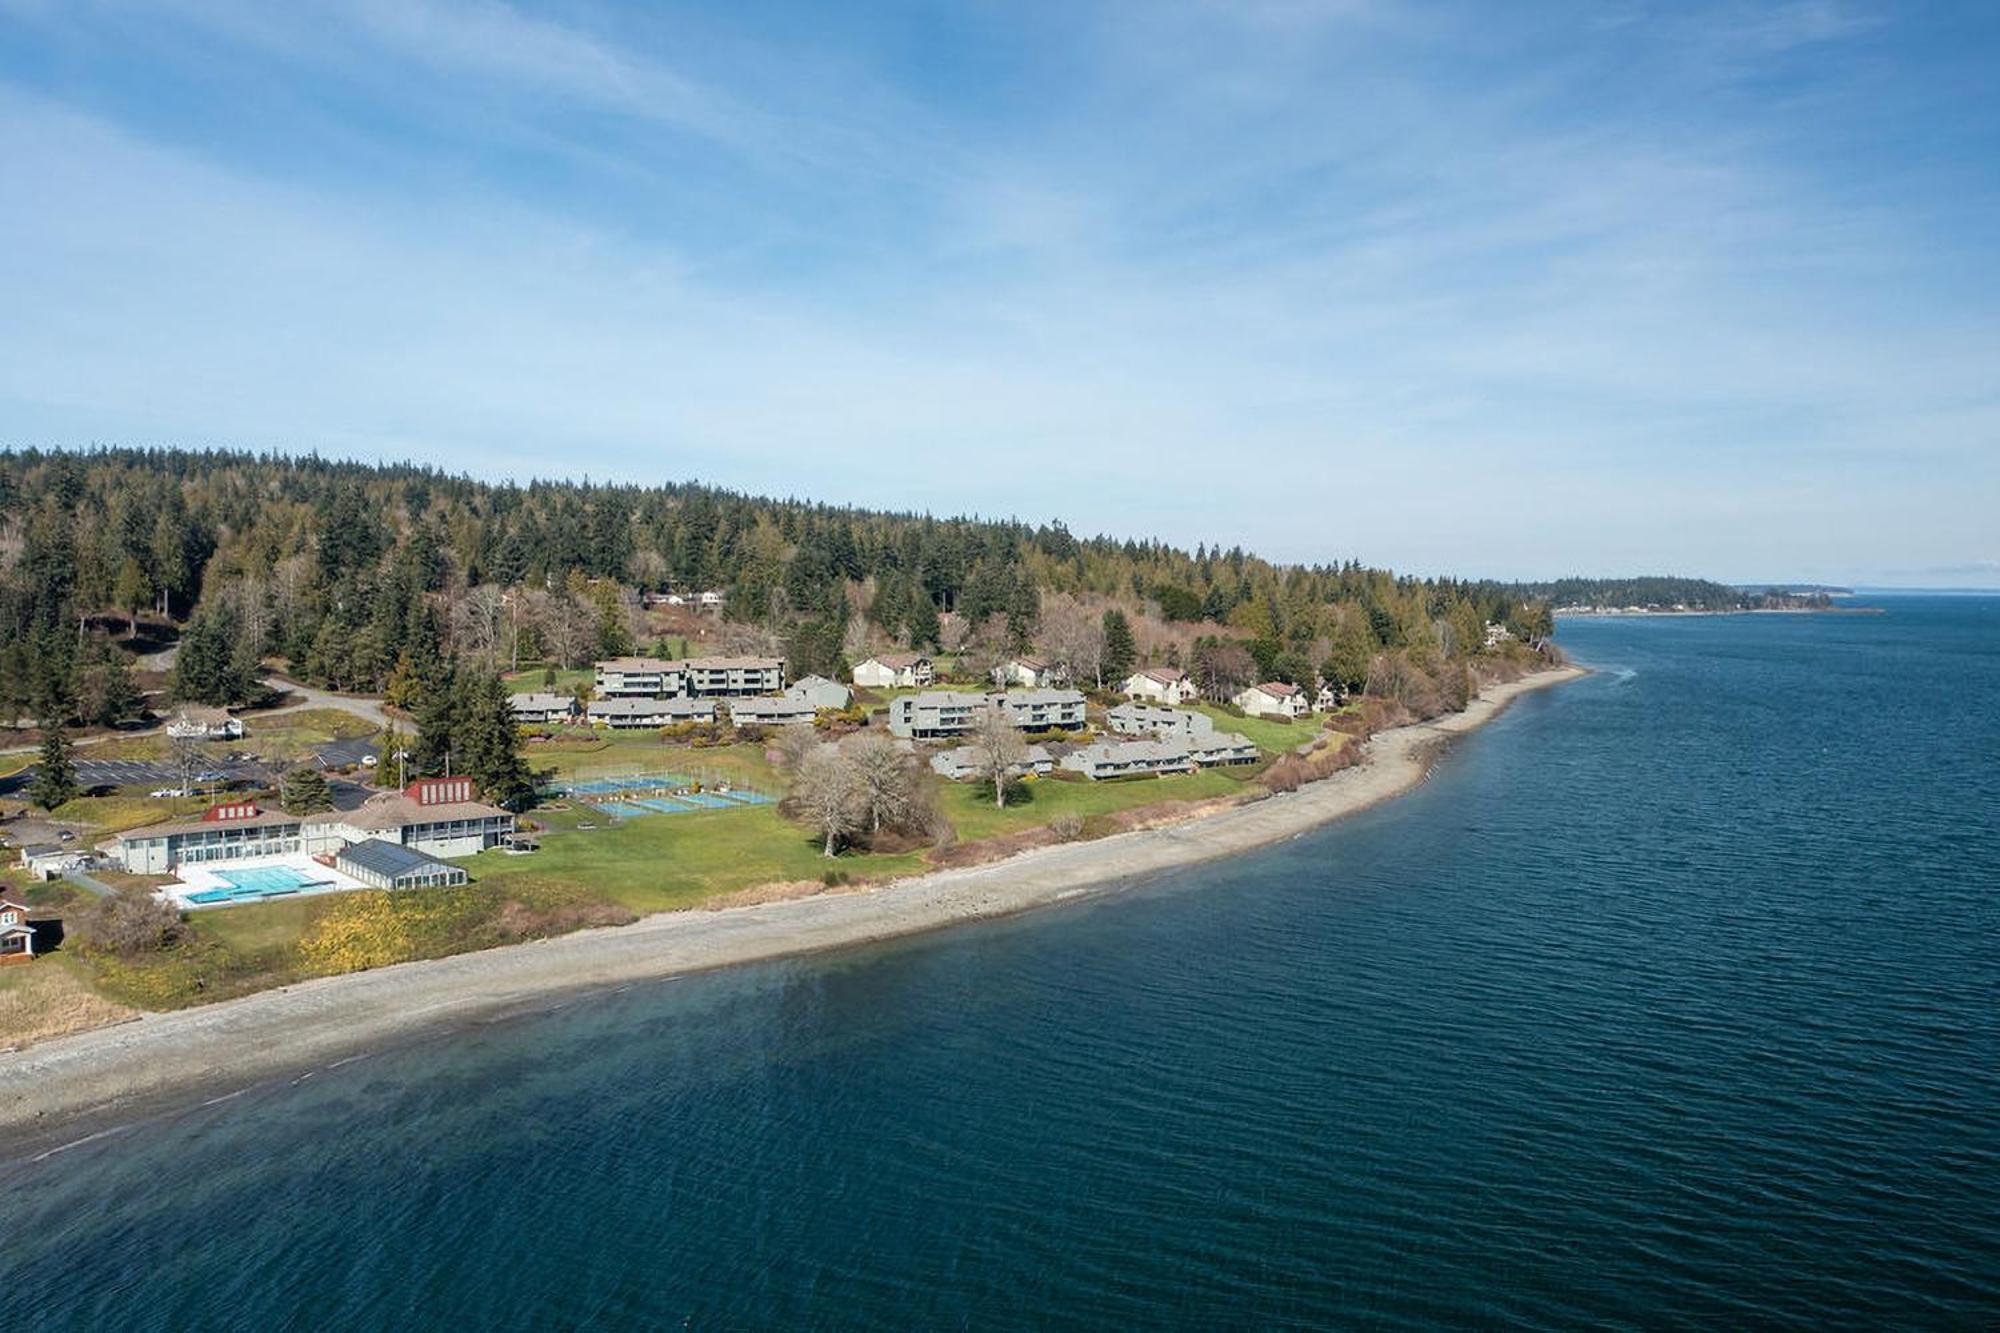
point(1673, 998)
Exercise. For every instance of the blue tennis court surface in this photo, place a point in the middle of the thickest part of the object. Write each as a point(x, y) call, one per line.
point(623, 811)
point(633, 795)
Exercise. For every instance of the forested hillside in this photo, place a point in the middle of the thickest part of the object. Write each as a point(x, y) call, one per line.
point(1664, 593)
point(372, 578)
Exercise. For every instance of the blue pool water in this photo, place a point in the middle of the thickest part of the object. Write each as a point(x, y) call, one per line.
point(1671, 1000)
point(253, 883)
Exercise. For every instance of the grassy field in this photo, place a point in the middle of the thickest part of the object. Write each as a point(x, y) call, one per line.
point(642, 752)
point(1267, 734)
point(530, 680)
point(970, 806)
point(49, 997)
point(121, 811)
point(670, 861)
point(580, 877)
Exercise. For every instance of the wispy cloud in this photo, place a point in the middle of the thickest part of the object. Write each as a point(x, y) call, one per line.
point(1279, 261)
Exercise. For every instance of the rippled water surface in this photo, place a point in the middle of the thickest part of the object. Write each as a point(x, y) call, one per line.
point(1670, 1000)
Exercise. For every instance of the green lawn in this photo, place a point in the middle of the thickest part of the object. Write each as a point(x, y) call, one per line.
point(254, 928)
point(1266, 734)
point(672, 861)
point(970, 807)
point(567, 679)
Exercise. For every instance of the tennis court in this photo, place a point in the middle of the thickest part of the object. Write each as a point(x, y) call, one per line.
point(636, 795)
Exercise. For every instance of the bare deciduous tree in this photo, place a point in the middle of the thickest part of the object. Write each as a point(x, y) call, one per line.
point(997, 748)
point(565, 627)
point(1074, 636)
point(824, 793)
point(884, 785)
point(793, 745)
point(1222, 669)
point(476, 619)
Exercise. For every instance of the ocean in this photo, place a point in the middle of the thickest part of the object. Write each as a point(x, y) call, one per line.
point(1672, 999)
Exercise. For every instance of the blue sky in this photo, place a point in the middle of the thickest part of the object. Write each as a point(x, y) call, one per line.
point(1515, 290)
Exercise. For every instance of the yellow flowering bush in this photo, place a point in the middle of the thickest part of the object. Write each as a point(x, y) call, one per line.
point(356, 932)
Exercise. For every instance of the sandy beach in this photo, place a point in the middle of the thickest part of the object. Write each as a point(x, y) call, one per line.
point(61, 1089)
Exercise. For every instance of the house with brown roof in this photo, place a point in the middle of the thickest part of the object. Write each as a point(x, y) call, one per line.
point(1161, 685)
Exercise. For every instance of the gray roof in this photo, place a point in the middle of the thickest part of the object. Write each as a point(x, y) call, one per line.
point(389, 859)
point(1031, 697)
point(649, 707)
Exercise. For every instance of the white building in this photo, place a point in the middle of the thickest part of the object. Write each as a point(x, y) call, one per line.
point(17, 937)
point(890, 671)
point(199, 722)
point(440, 816)
point(1162, 685)
point(1274, 698)
point(52, 860)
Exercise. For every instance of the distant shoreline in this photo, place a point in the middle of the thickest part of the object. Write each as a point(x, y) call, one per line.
point(1613, 613)
point(56, 1091)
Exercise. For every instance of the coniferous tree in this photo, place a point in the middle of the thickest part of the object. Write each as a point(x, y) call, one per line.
point(488, 741)
point(306, 791)
point(54, 782)
point(437, 723)
point(1119, 650)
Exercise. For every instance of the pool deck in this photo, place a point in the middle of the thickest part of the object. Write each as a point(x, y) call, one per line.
point(201, 879)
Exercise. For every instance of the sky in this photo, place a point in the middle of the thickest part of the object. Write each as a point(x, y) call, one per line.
point(1514, 290)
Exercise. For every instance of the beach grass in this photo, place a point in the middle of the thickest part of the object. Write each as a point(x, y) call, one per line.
point(48, 998)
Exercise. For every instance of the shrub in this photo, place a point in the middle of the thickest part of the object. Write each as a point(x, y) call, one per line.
point(128, 925)
point(1286, 774)
point(1067, 828)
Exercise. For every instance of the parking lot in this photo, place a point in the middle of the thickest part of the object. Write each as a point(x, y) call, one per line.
point(97, 774)
point(139, 772)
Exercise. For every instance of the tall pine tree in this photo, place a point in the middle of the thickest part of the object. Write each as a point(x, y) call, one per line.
point(54, 782)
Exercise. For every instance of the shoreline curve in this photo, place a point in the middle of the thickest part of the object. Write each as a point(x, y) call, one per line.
point(57, 1090)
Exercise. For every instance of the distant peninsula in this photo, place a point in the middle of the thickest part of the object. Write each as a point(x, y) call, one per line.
point(1668, 595)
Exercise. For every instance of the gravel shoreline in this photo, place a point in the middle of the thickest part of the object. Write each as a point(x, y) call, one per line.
point(54, 1091)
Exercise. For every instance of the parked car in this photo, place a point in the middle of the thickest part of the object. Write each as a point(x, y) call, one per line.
point(168, 793)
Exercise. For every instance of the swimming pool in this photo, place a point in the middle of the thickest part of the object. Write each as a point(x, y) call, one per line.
point(251, 884)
